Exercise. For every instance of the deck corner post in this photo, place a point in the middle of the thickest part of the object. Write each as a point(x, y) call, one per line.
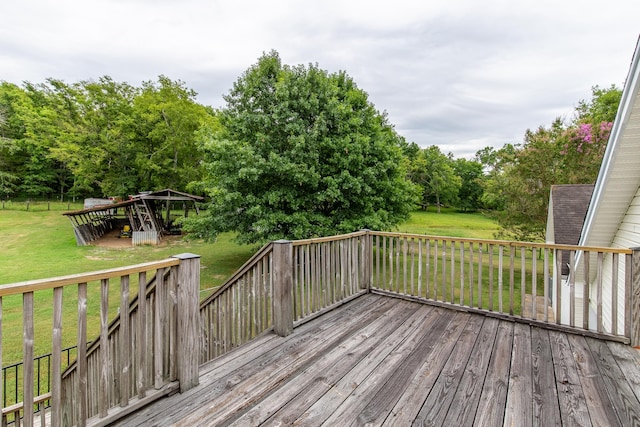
point(634, 301)
point(367, 260)
point(188, 319)
point(283, 287)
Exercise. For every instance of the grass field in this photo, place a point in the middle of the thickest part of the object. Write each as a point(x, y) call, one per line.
point(450, 223)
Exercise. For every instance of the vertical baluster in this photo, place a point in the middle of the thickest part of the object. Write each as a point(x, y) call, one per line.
point(142, 334)
point(523, 279)
point(159, 333)
point(534, 284)
point(391, 261)
point(586, 291)
point(471, 284)
point(413, 260)
point(599, 292)
point(630, 276)
point(427, 275)
point(614, 293)
point(444, 270)
point(334, 270)
point(377, 249)
point(490, 250)
point(308, 287)
point(435, 269)
point(296, 282)
point(103, 405)
point(557, 256)
point(405, 257)
point(398, 249)
point(453, 270)
point(461, 273)
point(81, 402)
point(512, 255)
point(420, 267)
point(546, 284)
point(27, 354)
point(572, 288)
point(125, 361)
point(500, 276)
point(480, 253)
point(385, 258)
point(56, 357)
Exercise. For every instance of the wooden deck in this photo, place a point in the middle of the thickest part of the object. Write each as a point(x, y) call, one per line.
point(384, 361)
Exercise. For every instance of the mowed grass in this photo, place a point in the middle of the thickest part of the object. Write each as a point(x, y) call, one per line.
point(39, 243)
point(450, 223)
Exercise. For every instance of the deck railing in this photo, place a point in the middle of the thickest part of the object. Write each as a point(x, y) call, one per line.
point(133, 362)
point(284, 283)
point(516, 279)
point(240, 309)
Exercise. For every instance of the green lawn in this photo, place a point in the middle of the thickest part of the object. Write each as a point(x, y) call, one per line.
point(40, 244)
point(450, 223)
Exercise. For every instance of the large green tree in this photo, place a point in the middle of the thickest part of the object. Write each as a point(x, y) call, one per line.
point(433, 171)
point(28, 133)
point(471, 186)
point(301, 153)
point(166, 117)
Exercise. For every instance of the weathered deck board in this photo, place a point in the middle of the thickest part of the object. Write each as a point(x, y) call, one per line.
point(572, 402)
point(384, 361)
point(545, 398)
point(309, 386)
point(493, 399)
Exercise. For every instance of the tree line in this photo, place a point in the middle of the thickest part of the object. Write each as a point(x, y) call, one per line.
point(296, 152)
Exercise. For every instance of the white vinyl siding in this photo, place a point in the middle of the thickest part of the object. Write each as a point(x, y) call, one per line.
point(627, 236)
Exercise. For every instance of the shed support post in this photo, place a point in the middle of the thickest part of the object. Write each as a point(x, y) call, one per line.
point(188, 313)
point(283, 287)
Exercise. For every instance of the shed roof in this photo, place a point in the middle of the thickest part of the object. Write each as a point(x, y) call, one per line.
point(166, 194)
point(569, 203)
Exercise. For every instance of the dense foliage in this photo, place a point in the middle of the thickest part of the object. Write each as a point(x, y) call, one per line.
point(297, 152)
point(520, 176)
point(98, 138)
point(301, 153)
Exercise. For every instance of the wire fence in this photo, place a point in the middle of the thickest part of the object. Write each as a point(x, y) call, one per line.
point(12, 376)
point(39, 205)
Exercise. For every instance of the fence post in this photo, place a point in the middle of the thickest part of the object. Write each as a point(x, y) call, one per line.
point(283, 287)
point(633, 286)
point(367, 261)
point(188, 313)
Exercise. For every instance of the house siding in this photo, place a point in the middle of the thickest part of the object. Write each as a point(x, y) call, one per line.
point(627, 236)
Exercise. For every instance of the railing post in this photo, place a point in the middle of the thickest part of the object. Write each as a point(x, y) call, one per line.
point(283, 287)
point(188, 309)
point(634, 301)
point(367, 262)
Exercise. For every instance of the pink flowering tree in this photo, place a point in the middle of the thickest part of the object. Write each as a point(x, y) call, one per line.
point(582, 148)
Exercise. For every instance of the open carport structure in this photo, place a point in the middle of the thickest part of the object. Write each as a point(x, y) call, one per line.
point(147, 214)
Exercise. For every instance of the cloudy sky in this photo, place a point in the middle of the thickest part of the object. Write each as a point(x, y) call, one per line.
point(460, 74)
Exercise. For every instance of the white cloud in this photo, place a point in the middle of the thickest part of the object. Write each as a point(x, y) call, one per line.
point(460, 75)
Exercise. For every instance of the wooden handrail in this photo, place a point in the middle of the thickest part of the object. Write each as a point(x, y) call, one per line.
point(73, 279)
point(329, 239)
point(507, 243)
